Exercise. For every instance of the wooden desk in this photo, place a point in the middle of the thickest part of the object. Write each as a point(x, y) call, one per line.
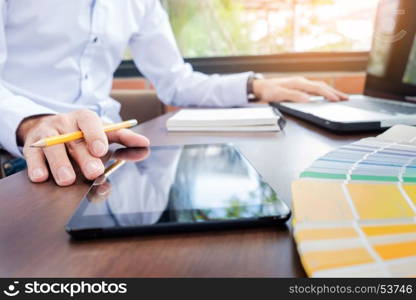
point(33, 242)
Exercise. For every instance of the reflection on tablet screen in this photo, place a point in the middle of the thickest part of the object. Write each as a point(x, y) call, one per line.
point(182, 184)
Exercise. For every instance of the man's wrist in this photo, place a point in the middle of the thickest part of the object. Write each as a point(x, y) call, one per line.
point(253, 90)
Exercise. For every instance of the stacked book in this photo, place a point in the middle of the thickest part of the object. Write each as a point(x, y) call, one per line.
point(232, 119)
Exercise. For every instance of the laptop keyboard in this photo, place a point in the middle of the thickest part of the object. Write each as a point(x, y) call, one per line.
point(383, 106)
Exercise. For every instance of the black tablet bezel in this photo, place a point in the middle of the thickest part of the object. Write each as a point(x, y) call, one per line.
point(79, 226)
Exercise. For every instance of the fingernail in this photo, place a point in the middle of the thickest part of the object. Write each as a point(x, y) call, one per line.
point(102, 190)
point(93, 167)
point(98, 147)
point(64, 175)
point(38, 173)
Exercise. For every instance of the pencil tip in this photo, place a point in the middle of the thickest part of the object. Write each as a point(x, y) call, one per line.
point(38, 144)
point(133, 122)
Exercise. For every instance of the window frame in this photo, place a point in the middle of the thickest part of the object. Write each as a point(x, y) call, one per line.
point(277, 63)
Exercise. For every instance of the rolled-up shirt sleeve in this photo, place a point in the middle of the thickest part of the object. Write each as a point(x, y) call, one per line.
point(13, 108)
point(157, 56)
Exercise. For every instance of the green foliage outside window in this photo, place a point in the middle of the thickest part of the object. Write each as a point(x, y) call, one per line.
point(206, 28)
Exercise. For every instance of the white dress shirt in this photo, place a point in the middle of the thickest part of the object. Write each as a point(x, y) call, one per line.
point(58, 56)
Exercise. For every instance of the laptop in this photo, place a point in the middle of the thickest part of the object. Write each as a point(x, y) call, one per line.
point(390, 89)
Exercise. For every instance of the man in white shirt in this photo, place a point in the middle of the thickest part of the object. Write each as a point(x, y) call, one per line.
point(56, 63)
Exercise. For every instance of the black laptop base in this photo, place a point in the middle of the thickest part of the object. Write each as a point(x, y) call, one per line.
point(339, 127)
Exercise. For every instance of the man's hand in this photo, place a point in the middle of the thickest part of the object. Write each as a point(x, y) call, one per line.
point(296, 89)
point(86, 153)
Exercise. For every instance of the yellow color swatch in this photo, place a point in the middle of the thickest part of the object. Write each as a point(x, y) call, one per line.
point(377, 201)
point(410, 191)
point(319, 201)
point(389, 229)
point(321, 260)
point(325, 233)
point(397, 250)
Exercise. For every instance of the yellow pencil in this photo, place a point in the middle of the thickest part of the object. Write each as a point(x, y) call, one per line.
point(69, 137)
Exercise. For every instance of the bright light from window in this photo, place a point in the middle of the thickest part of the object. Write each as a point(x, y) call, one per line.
point(205, 28)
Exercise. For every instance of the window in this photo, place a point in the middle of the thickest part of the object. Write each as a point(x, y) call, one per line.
point(215, 28)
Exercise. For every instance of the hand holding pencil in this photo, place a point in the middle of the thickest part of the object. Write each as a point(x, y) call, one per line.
point(80, 135)
point(73, 136)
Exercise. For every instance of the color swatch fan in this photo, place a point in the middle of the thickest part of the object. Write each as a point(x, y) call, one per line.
point(355, 210)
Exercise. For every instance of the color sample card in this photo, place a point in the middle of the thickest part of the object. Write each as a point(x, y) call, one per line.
point(355, 211)
point(368, 160)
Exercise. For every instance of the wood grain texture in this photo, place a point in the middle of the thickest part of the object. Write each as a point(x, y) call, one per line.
point(33, 241)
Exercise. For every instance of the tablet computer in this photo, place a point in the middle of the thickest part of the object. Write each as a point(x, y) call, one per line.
point(176, 188)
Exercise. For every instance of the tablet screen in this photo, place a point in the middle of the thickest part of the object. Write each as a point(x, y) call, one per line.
point(177, 184)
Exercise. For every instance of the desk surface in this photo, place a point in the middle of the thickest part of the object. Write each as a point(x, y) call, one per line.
point(33, 242)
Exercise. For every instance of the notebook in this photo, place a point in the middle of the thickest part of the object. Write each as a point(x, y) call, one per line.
point(355, 209)
point(263, 118)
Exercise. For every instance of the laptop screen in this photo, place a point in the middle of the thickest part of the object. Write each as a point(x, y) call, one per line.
point(391, 70)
